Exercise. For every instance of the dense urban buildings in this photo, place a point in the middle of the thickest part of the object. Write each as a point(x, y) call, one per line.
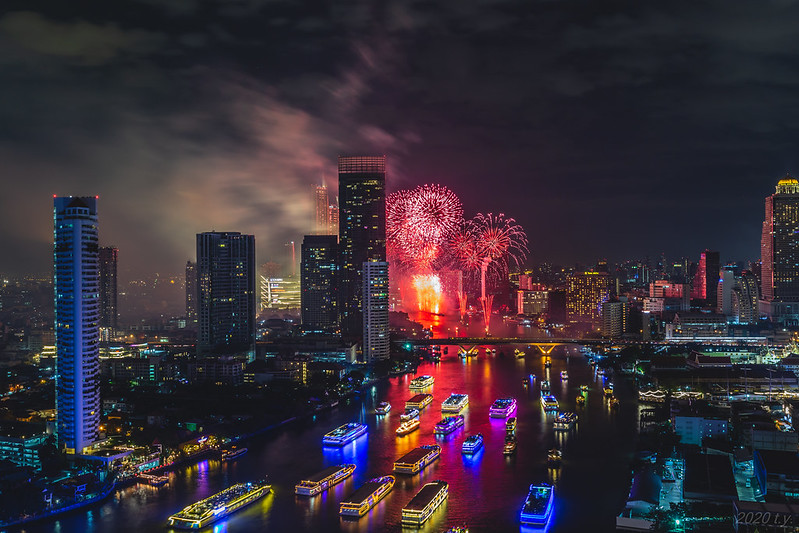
point(780, 254)
point(108, 288)
point(362, 230)
point(318, 269)
point(375, 311)
point(226, 289)
point(587, 291)
point(77, 315)
point(706, 279)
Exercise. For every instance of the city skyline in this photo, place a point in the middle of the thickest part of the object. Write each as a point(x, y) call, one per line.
point(617, 114)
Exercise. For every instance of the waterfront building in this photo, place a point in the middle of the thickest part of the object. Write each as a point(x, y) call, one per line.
point(375, 311)
point(226, 290)
point(108, 288)
point(318, 269)
point(587, 291)
point(20, 443)
point(362, 231)
point(745, 298)
point(77, 315)
point(615, 319)
point(191, 293)
point(779, 254)
point(532, 302)
point(706, 278)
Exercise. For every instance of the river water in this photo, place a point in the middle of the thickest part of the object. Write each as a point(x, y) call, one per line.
point(485, 492)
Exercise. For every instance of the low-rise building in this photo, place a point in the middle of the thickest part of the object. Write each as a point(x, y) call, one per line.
point(20, 443)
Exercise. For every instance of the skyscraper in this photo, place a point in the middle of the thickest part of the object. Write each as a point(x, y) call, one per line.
point(318, 281)
point(587, 291)
point(745, 299)
point(77, 314)
point(322, 210)
point(375, 311)
point(362, 231)
point(780, 254)
point(108, 288)
point(226, 293)
point(706, 278)
point(191, 293)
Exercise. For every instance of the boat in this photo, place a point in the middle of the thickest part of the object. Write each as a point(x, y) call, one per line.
point(502, 407)
point(455, 403)
point(153, 480)
point(233, 453)
point(554, 456)
point(537, 508)
point(565, 421)
point(564, 374)
point(448, 424)
point(545, 386)
point(422, 382)
point(583, 388)
point(409, 414)
point(321, 481)
point(464, 353)
point(367, 496)
point(614, 402)
point(608, 390)
point(458, 529)
point(426, 501)
point(532, 377)
point(216, 507)
point(580, 400)
point(420, 401)
point(383, 408)
point(408, 427)
point(547, 362)
point(472, 444)
point(510, 425)
point(344, 434)
point(510, 445)
point(519, 353)
point(549, 402)
point(415, 460)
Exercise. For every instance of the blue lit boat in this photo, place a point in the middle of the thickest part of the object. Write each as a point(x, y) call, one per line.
point(472, 444)
point(216, 507)
point(344, 434)
point(565, 421)
point(383, 408)
point(502, 408)
point(448, 425)
point(537, 508)
point(549, 402)
point(409, 414)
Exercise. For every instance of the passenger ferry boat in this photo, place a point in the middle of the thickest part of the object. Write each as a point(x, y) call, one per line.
point(420, 401)
point(472, 444)
point(537, 507)
point(426, 501)
point(321, 481)
point(155, 481)
point(580, 400)
point(344, 434)
point(565, 421)
point(502, 408)
point(409, 414)
point(448, 424)
point(564, 374)
point(547, 362)
point(608, 390)
point(519, 353)
point(408, 427)
point(216, 507)
point(510, 425)
point(422, 382)
point(545, 386)
point(510, 445)
point(549, 402)
point(383, 408)
point(455, 403)
point(417, 459)
point(367, 496)
point(233, 453)
point(554, 456)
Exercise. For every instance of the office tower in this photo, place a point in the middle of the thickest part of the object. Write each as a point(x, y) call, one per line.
point(587, 291)
point(362, 231)
point(77, 315)
point(108, 288)
point(745, 299)
point(375, 311)
point(780, 254)
point(191, 293)
point(706, 278)
point(615, 319)
point(321, 210)
point(319, 264)
point(724, 294)
point(226, 290)
point(333, 217)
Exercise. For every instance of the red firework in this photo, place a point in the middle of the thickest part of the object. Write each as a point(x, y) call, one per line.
point(490, 240)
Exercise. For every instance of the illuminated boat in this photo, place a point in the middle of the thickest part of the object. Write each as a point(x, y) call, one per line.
point(408, 427)
point(583, 388)
point(415, 460)
point(155, 481)
point(519, 353)
point(502, 408)
point(233, 453)
point(421, 382)
point(510, 425)
point(472, 444)
point(344, 434)
point(565, 421)
point(510, 445)
point(383, 408)
point(614, 402)
point(547, 362)
point(458, 529)
point(545, 387)
point(455, 403)
point(323, 480)
point(537, 507)
point(409, 414)
point(554, 456)
point(549, 402)
point(216, 507)
point(426, 501)
point(580, 400)
point(420, 401)
point(564, 374)
point(608, 390)
point(448, 424)
point(367, 496)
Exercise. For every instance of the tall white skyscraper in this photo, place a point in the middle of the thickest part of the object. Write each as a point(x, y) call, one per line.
point(375, 311)
point(77, 314)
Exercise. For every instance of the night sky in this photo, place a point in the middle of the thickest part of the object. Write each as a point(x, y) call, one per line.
point(613, 129)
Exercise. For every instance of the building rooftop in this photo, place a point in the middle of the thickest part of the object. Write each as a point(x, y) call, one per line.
point(709, 476)
point(779, 462)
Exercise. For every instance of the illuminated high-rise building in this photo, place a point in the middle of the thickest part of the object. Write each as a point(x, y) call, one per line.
point(332, 210)
point(191, 293)
point(226, 293)
point(108, 288)
point(745, 299)
point(706, 278)
point(780, 254)
point(375, 311)
point(77, 315)
point(362, 231)
point(321, 210)
point(587, 291)
point(318, 269)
